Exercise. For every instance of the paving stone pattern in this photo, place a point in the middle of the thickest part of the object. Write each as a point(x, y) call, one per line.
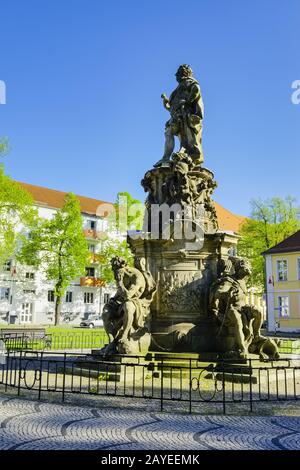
point(32, 425)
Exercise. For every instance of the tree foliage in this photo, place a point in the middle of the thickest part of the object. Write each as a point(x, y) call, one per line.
point(17, 216)
point(271, 222)
point(59, 247)
point(111, 248)
point(129, 214)
point(4, 146)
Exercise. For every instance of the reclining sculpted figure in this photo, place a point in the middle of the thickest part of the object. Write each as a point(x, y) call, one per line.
point(228, 302)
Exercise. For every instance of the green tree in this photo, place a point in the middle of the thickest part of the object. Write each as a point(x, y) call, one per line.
point(17, 216)
point(129, 212)
point(4, 146)
point(111, 248)
point(59, 247)
point(271, 221)
point(128, 215)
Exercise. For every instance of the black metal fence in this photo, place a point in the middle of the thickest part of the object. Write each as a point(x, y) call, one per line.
point(15, 341)
point(79, 340)
point(89, 339)
point(185, 381)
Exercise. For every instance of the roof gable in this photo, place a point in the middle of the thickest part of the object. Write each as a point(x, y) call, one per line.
point(290, 244)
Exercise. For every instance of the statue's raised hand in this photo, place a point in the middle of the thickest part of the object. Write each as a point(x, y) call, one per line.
point(165, 101)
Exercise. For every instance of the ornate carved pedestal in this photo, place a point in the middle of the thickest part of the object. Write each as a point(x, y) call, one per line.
point(179, 311)
point(183, 267)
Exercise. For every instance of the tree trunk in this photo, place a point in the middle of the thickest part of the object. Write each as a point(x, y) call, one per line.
point(57, 310)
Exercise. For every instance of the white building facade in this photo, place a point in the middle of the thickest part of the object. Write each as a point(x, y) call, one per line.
point(26, 297)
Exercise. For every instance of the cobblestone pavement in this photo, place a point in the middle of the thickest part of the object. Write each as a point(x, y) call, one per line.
point(33, 425)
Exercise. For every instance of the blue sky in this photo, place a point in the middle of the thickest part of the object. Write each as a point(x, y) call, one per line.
point(84, 79)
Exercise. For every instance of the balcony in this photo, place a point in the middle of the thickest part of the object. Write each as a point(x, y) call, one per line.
point(94, 234)
point(90, 281)
point(96, 258)
point(90, 233)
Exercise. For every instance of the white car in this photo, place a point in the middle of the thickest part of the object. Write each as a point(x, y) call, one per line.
point(92, 322)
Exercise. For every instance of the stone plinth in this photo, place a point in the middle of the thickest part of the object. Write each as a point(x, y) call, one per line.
point(183, 277)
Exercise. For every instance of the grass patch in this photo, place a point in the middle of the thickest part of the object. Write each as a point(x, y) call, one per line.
point(77, 338)
point(63, 337)
point(289, 346)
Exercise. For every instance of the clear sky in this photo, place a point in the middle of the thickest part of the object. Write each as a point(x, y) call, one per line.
point(84, 79)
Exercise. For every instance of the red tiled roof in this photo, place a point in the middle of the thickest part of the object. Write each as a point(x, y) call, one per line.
point(55, 199)
point(291, 243)
point(227, 220)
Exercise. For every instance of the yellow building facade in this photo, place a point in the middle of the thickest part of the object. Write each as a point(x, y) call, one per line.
point(283, 285)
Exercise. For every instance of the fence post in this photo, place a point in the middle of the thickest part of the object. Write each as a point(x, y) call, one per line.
point(251, 397)
point(224, 391)
point(162, 384)
point(41, 372)
point(7, 366)
point(20, 367)
point(190, 391)
point(64, 378)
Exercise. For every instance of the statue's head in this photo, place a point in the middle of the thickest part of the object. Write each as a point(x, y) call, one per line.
point(224, 267)
point(242, 268)
point(184, 71)
point(117, 263)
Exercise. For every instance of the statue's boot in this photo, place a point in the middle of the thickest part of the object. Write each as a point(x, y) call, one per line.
point(162, 162)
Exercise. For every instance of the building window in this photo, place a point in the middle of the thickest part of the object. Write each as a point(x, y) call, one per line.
point(69, 296)
point(92, 248)
point(7, 266)
point(26, 313)
point(29, 276)
point(106, 298)
point(91, 224)
point(284, 306)
point(28, 291)
point(4, 293)
point(51, 296)
point(88, 297)
point(90, 272)
point(232, 251)
point(282, 270)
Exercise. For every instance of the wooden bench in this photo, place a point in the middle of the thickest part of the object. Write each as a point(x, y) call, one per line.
point(26, 338)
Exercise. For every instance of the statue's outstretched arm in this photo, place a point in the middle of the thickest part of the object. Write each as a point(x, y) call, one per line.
point(166, 101)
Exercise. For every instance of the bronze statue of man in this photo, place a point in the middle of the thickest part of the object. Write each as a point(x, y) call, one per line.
point(186, 108)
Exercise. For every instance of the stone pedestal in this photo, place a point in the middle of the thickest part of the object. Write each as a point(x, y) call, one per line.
point(182, 246)
point(183, 276)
